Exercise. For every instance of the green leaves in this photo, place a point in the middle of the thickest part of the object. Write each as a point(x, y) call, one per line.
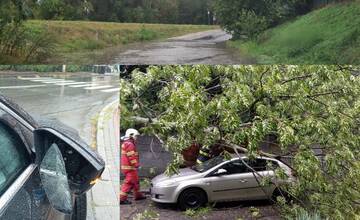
point(248, 18)
point(308, 113)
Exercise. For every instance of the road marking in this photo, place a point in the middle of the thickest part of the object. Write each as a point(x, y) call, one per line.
point(111, 90)
point(41, 80)
point(85, 85)
point(63, 81)
point(97, 87)
point(21, 87)
point(33, 78)
point(70, 83)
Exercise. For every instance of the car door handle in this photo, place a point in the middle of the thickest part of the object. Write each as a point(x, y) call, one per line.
point(243, 181)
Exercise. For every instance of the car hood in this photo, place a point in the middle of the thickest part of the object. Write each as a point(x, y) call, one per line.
point(184, 174)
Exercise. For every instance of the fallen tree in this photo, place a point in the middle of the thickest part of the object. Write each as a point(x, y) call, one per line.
point(305, 107)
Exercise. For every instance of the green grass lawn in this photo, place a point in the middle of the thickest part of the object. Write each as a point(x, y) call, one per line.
point(74, 37)
point(330, 35)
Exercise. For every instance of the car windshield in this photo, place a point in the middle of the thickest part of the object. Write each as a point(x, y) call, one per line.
point(208, 164)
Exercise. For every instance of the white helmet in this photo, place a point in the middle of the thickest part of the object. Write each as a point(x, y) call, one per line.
point(130, 133)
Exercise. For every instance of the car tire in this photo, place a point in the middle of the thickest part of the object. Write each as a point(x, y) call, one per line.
point(192, 198)
point(80, 208)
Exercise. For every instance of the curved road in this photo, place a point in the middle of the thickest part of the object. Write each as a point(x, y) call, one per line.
point(206, 47)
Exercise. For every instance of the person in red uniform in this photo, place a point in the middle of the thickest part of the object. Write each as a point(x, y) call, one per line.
point(129, 167)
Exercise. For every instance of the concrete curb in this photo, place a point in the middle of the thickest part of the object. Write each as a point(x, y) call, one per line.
point(105, 194)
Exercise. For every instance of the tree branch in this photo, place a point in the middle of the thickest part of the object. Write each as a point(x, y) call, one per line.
point(297, 78)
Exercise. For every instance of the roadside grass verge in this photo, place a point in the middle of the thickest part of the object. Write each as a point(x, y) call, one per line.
point(85, 36)
point(330, 35)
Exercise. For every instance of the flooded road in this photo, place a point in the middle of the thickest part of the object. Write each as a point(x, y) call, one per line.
point(208, 47)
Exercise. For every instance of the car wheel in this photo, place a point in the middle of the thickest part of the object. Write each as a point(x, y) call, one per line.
point(80, 208)
point(192, 199)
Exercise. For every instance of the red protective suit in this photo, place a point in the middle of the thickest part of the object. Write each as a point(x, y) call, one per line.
point(129, 165)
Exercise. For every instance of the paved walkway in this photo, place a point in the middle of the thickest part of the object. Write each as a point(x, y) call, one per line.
point(105, 194)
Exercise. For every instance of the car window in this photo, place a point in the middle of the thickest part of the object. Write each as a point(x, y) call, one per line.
point(208, 164)
point(262, 164)
point(235, 167)
point(14, 156)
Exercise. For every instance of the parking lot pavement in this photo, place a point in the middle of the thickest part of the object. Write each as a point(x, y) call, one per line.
point(230, 210)
point(105, 194)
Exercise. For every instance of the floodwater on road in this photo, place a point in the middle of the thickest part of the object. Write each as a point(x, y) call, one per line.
point(208, 47)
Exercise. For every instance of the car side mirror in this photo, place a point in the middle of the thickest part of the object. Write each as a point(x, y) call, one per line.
point(220, 172)
point(54, 180)
point(83, 166)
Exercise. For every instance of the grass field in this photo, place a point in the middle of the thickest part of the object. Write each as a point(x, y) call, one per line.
point(80, 37)
point(330, 35)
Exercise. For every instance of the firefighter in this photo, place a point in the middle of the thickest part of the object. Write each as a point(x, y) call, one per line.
point(204, 154)
point(129, 167)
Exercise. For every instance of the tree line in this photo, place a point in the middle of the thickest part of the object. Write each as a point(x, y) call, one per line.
point(143, 11)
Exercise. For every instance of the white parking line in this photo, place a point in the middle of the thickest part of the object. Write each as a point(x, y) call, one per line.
point(70, 83)
point(97, 87)
point(85, 85)
point(21, 87)
point(111, 90)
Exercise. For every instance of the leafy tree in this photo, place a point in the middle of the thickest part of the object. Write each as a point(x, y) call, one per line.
point(51, 9)
point(249, 18)
point(14, 11)
point(106, 10)
point(313, 111)
point(64, 9)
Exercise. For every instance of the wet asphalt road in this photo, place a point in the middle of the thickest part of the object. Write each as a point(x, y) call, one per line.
point(74, 98)
point(206, 47)
point(71, 98)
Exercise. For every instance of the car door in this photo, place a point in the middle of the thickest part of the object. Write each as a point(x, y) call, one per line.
point(21, 192)
point(232, 185)
point(239, 182)
point(264, 169)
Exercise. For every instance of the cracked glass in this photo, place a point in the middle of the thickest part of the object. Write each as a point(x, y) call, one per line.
point(54, 179)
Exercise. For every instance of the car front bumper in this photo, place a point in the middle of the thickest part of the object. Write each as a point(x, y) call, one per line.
point(163, 194)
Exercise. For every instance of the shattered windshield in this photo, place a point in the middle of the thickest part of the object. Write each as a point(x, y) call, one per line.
point(208, 164)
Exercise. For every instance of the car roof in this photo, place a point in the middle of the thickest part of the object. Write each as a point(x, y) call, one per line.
point(8, 102)
point(236, 156)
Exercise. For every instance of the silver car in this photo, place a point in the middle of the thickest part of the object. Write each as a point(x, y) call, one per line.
point(219, 180)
